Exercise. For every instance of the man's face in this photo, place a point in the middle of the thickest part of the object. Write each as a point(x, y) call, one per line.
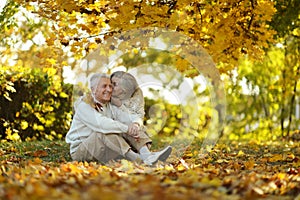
point(103, 90)
point(117, 91)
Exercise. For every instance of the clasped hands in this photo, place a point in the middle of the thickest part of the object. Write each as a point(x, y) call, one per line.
point(134, 131)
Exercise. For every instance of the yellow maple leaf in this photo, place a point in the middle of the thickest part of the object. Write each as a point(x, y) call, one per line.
point(240, 153)
point(249, 164)
point(275, 158)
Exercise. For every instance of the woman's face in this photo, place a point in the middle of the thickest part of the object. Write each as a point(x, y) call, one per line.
point(117, 89)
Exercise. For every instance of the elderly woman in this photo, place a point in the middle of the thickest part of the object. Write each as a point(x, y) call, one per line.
point(95, 135)
point(128, 101)
point(128, 98)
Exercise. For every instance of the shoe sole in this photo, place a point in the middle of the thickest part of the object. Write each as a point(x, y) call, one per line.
point(164, 156)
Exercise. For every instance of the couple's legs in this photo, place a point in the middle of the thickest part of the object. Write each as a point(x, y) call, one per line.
point(146, 155)
point(139, 145)
point(106, 147)
point(93, 148)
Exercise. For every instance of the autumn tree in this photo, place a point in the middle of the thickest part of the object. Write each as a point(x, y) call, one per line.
point(73, 29)
point(23, 40)
point(227, 29)
point(263, 95)
point(286, 22)
point(34, 102)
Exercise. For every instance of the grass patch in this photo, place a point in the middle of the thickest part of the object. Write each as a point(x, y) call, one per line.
point(49, 151)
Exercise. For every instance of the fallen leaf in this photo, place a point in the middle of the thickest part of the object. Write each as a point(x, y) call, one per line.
point(40, 153)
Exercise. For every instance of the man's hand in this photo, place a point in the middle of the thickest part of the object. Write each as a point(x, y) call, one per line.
point(133, 130)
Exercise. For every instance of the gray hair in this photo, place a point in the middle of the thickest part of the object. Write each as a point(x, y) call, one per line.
point(128, 83)
point(95, 78)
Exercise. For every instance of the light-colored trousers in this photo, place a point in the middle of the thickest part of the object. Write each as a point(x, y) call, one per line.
point(105, 147)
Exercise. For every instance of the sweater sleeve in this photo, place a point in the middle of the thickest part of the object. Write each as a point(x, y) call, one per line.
point(135, 107)
point(97, 121)
point(138, 104)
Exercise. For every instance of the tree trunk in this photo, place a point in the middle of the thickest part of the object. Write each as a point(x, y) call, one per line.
point(292, 102)
point(282, 104)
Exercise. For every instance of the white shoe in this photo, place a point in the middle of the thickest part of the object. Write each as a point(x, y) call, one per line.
point(156, 156)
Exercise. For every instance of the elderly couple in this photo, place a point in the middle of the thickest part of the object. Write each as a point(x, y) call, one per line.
point(108, 123)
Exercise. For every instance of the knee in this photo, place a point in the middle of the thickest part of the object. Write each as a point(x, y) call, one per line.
point(114, 137)
point(106, 138)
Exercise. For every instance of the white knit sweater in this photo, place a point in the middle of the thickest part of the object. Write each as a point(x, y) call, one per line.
point(88, 120)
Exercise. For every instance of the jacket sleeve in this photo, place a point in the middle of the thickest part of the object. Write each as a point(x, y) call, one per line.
point(135, 107)
point(97, 121)
point(138, 104)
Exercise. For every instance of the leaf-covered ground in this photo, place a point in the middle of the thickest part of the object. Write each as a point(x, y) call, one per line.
point(232, 170)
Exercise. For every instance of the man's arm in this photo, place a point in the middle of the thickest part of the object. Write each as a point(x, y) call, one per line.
point(97, 121)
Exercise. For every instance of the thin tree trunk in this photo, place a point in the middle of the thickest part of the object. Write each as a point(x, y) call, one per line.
point(264, 106)
point(282, 104)
point(267, 114)
point(292, 102)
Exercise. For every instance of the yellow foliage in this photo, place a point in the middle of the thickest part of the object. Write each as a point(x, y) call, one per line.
point(24, 125)
point(63, 95)
point(51, 61)
point(12, 134)
point(181, 64)
point(227, 29)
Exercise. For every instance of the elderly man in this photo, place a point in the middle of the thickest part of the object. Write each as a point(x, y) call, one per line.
point(95, 135)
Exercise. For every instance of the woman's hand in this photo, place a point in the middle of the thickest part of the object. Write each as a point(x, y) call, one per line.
point(133, 130)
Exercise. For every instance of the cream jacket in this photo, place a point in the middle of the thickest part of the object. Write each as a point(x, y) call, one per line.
point(88, 120)
point(131, 110)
